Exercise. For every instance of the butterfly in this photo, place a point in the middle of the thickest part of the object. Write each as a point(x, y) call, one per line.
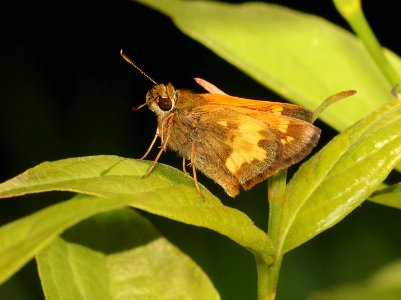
point(237, 142)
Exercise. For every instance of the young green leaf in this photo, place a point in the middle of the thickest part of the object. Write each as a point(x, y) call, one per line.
point(341, 176)
point(117, 255)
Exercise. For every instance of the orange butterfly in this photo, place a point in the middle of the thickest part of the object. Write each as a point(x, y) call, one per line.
point(235, 141)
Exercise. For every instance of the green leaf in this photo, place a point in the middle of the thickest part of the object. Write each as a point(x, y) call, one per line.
point(101, 175)
point(302, 57)
point(341, 176)
point(384, 284)
point(115, 182)
point(389, 196)
point(119, 255)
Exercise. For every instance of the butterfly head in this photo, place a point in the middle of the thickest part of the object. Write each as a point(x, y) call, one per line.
point(161, 99)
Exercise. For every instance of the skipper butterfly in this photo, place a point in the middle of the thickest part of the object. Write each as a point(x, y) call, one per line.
point(236, 142)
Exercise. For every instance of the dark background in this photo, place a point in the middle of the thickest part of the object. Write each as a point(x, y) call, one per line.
point(65, 92)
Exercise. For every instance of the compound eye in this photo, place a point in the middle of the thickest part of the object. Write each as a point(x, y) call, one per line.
point(164, 103)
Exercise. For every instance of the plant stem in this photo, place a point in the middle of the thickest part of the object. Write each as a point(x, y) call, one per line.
point(268, 273)
point(274, 272)
point(351, 11)
point(263, 277)
point(277, 190)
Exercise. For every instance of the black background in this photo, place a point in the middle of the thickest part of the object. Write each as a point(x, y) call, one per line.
point(66, 92)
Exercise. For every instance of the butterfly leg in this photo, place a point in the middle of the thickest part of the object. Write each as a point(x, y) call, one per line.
point(154, 163)
point(151, 144)
point(184, 169)
point(162, 147)
point(165, 135)
point(193, 159)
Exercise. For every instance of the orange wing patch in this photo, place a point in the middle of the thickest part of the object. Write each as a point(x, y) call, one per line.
point(245, 145)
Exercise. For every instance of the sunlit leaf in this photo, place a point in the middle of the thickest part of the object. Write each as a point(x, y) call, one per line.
point(341, 176)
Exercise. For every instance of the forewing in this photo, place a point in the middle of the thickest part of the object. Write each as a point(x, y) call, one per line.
point(277, 108)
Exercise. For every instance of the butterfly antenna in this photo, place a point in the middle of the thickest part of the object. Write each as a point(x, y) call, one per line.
point(129, 60)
